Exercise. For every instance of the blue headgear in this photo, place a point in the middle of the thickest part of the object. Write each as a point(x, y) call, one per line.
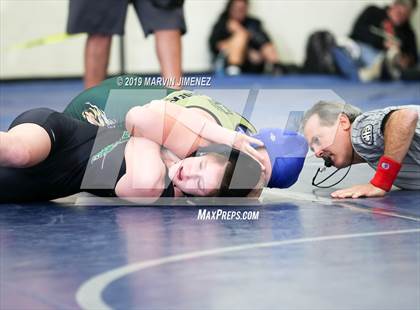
point(287, 151)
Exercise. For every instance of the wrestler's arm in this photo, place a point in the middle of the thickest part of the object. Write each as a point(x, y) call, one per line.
point(145, 172)
point(399, 130)
point(183, 130)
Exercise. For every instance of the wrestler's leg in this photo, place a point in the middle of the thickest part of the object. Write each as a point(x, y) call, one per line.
point(24, 145)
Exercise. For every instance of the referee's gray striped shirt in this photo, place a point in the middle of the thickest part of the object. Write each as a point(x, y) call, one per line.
point(368, 141)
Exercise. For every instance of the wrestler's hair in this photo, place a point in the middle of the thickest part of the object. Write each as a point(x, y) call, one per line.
point(242, 172)
point(328, 113)
point(412, 4)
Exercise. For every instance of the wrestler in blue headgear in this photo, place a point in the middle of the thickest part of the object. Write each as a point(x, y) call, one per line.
point(287, 151)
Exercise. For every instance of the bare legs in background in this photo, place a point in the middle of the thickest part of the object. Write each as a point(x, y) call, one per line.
point(98, 46)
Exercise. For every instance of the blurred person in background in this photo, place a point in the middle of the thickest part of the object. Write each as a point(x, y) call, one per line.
point(239, 43)
point(382, 44)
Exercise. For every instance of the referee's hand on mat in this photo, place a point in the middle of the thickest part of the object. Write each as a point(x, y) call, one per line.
point(359, 191)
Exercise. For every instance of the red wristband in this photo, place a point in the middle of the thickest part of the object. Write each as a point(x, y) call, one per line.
point(386, 173)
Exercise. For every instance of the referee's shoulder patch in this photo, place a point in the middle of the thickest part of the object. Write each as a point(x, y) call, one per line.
point(367, 134)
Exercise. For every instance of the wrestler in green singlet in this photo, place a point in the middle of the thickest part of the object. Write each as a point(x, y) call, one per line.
point(108, 103)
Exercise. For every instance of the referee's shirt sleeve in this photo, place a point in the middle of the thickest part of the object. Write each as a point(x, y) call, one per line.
point(367, 136)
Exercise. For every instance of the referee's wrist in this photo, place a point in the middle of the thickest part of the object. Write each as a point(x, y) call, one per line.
point(386, 173)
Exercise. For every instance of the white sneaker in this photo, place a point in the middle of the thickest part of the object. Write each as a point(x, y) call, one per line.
point(233, 70)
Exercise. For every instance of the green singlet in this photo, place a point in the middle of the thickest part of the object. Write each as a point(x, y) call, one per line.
point(108, 103)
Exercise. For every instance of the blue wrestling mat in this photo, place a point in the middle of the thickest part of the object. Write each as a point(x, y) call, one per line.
point(299, 250)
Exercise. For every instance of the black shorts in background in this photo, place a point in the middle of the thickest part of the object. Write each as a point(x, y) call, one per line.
point(108, 16)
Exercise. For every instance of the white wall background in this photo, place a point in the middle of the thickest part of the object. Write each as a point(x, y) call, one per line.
point(289, 23)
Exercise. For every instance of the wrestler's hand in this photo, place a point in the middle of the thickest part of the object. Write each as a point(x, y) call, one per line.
point(243, 143)
point(358, 191)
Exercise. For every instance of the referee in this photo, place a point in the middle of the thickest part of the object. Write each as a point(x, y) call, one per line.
point(388, 140)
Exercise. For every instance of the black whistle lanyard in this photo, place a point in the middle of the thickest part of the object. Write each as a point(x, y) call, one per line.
point(322, 169)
